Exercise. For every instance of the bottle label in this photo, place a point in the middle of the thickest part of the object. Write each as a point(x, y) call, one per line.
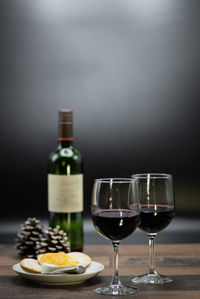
point(65, 193)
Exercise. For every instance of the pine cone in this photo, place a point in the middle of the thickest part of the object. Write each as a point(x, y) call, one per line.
point(56, 240)
point(31, 232)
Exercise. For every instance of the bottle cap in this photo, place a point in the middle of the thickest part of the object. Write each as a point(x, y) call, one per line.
point(65, 125)
point(65, 116)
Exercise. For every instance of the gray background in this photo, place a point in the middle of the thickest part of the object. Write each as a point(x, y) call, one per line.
point(128, 69)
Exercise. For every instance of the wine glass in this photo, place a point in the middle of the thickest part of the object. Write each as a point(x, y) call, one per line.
point(116, 214)
point(156, 196)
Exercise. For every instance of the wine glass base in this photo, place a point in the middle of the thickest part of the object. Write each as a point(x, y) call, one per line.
point(116, 290)
point(151, 279)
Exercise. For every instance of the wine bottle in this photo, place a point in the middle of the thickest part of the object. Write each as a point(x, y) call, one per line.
point(65, 184)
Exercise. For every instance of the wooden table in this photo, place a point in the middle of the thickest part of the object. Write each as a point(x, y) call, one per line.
point(182, 262)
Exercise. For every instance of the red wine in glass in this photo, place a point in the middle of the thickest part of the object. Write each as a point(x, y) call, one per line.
point(155, 218)
point(116, 224)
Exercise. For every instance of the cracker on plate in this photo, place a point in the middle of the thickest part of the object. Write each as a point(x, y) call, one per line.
point(83, 259)
point(31, 265)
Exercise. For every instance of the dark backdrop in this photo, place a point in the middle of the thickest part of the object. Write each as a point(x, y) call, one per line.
point(128, 69)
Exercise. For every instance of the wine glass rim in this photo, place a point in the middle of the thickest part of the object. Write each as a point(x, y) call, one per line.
point(114, 180)
point(152, 176)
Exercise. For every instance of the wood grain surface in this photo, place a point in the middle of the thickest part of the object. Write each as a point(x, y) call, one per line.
point(182, 262)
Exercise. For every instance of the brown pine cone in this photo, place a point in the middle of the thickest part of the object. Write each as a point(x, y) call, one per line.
point(55, 240)
point(31, 232)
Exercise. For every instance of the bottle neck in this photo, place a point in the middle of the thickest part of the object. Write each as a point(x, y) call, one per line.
point(64, 143)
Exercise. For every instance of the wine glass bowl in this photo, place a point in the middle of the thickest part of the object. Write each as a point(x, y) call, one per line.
point(156, 196)
point(116, 215)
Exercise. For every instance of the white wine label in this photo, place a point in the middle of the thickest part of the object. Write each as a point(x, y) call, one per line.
point(65, 193)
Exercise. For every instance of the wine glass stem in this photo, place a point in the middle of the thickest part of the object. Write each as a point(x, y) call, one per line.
point(152, 268)
point(115, 278)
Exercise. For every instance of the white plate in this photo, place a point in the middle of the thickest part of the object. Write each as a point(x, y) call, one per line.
point(60, 279)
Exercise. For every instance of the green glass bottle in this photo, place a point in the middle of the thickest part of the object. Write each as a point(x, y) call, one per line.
point(65, 184)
